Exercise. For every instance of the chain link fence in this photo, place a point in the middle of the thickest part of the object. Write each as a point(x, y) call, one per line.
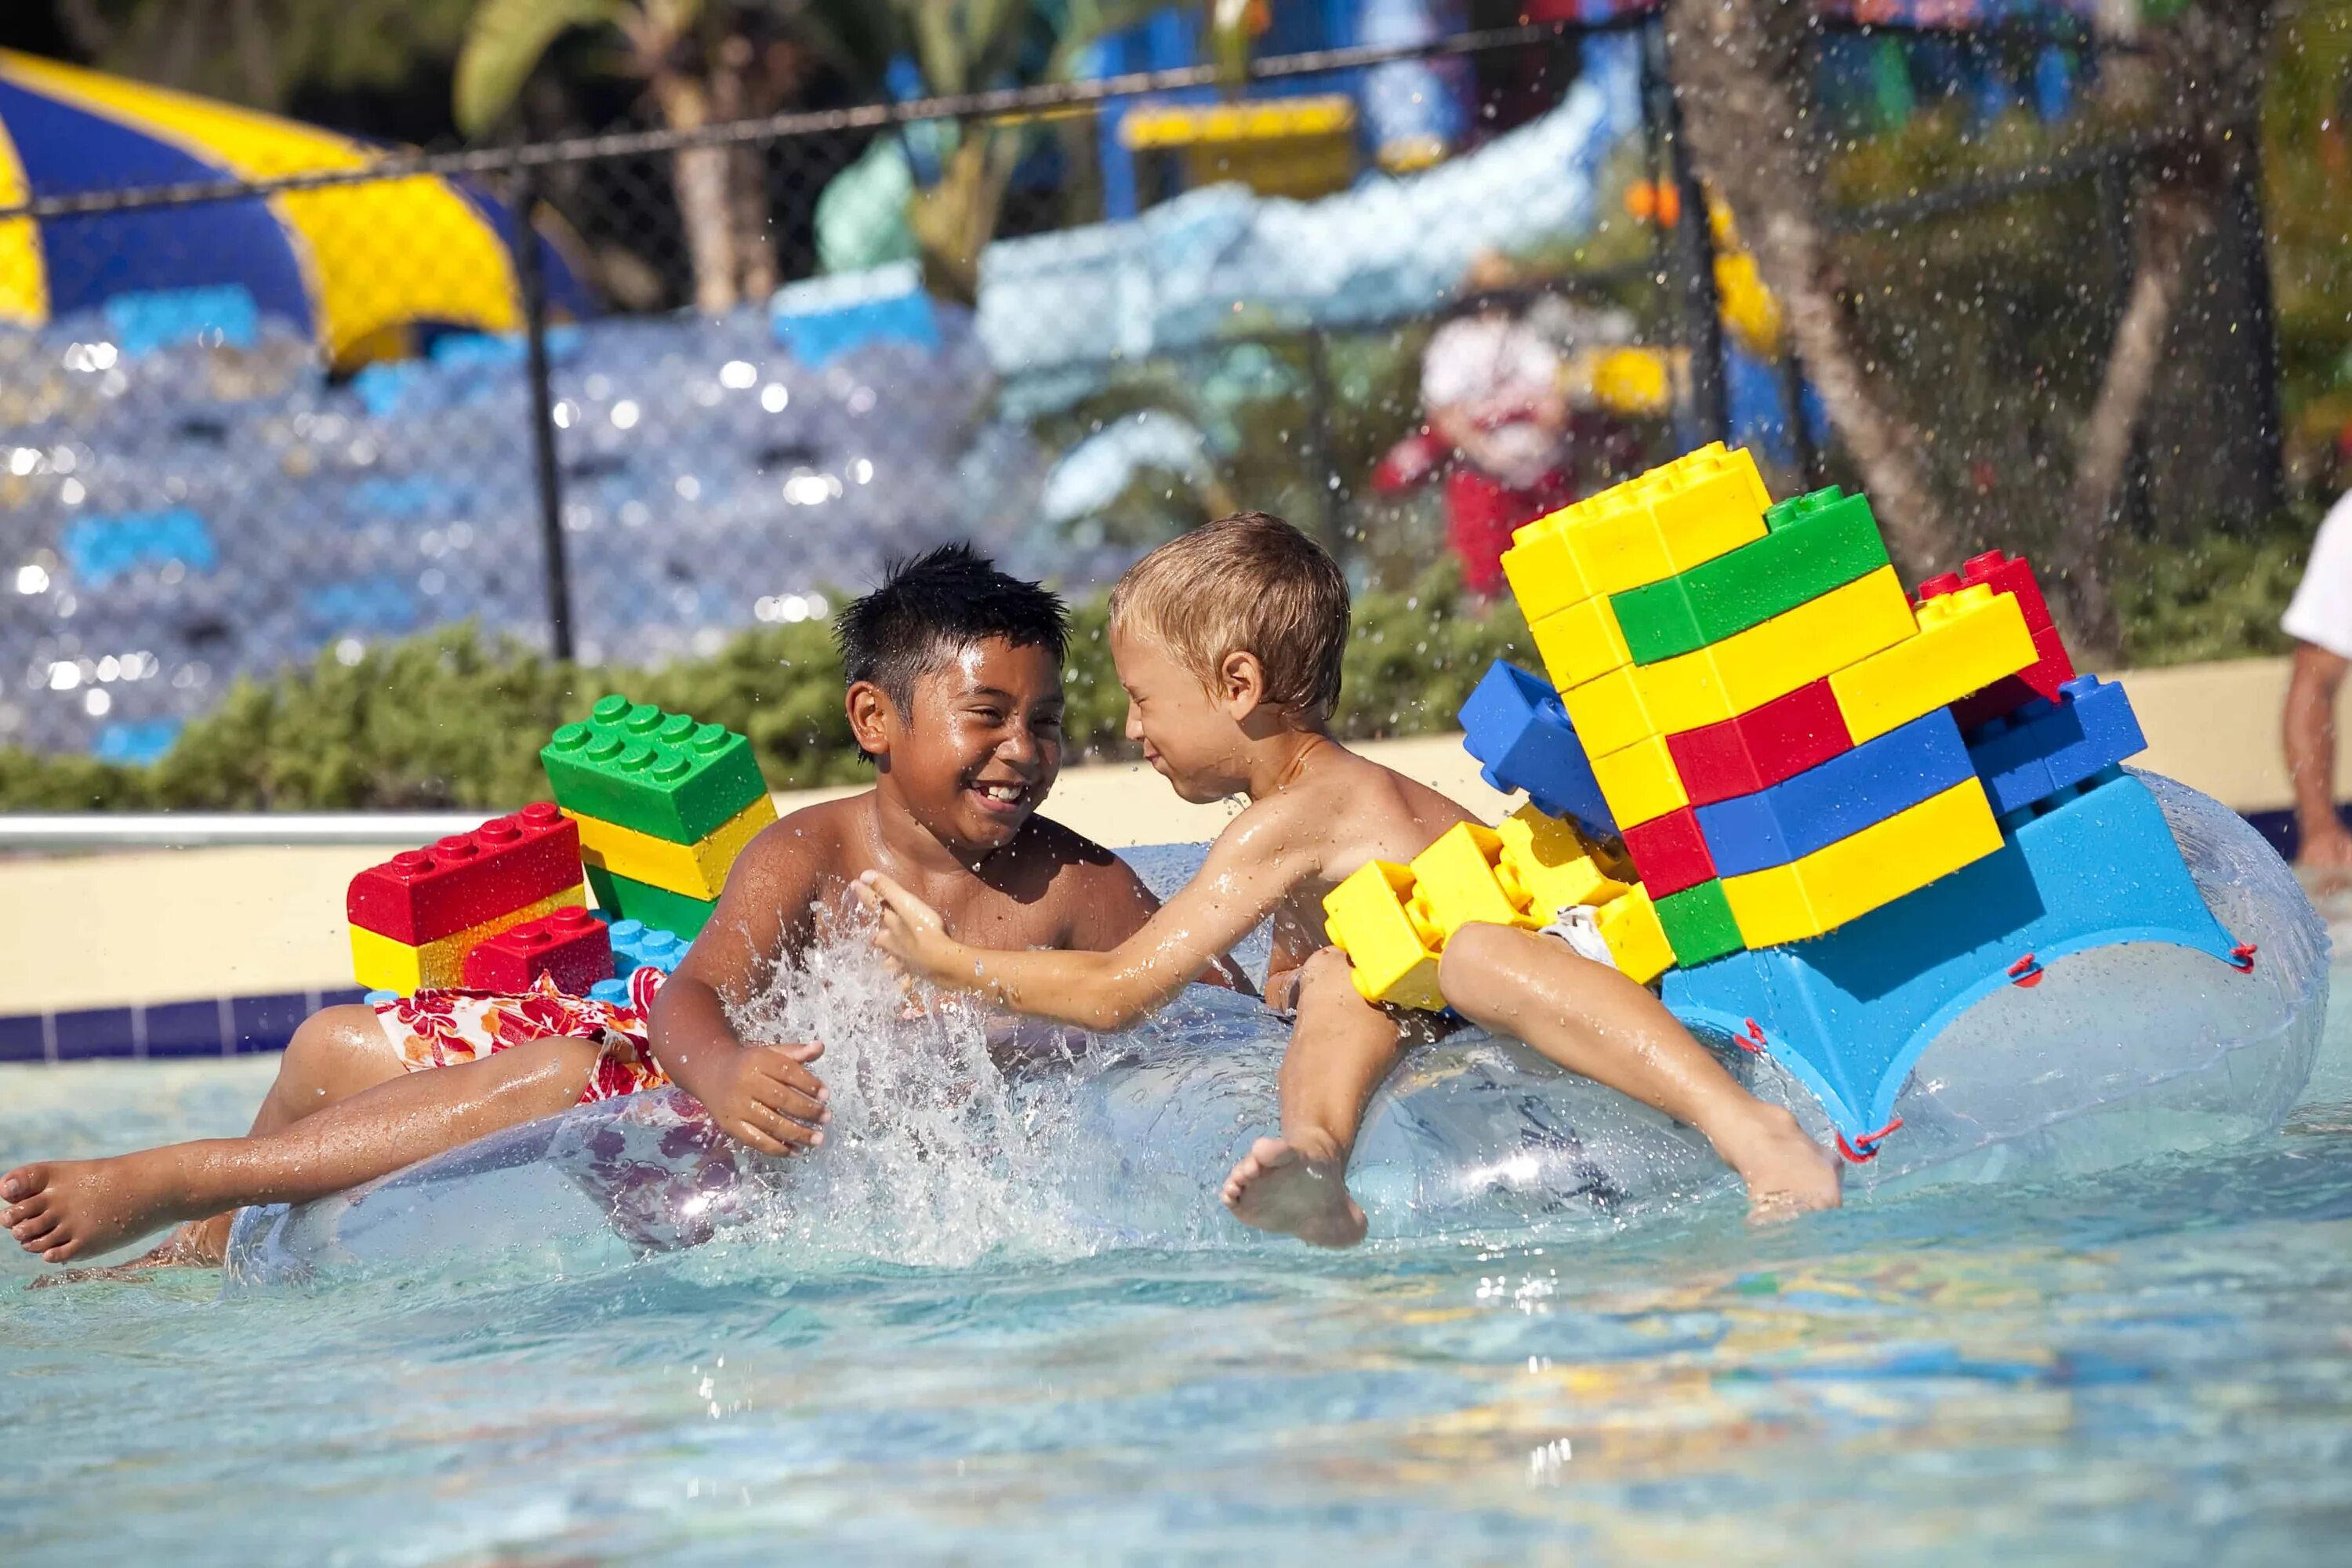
point(623, 398)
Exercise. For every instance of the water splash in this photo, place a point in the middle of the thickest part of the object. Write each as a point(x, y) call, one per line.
point(932, 1157)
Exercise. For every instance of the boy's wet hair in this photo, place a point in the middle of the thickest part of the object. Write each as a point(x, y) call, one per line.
point(930, 609)
point(1245, 583)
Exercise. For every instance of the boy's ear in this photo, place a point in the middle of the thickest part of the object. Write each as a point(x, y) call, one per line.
point(1241, 681)
point(872, 715)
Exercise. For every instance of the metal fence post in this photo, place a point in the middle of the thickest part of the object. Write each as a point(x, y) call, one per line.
point(531, 269)
point(1694, 242)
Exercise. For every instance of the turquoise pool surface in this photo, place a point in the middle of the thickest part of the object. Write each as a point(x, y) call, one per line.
point(2150, 1366)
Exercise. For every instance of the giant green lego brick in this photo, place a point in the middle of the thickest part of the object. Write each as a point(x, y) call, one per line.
point(655, 907)
point(1816, 543)
point(659, 773)
point(1698, 924)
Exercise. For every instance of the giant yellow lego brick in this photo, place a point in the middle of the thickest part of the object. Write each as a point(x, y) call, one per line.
point(1629, 924)
point(1749, 668)
point(1454, 884)
point(1580, 643)
point(1967, 641)
point(1554, 866)
point(1639, 782)
point(1542, 570)
point(699, 870)
point(1698, 507)
point(1821, 891)
point(1394, 957)
point(380, 963)
point(1609, 713)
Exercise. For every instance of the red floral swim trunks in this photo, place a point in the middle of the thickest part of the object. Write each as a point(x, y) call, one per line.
point(445, 1028)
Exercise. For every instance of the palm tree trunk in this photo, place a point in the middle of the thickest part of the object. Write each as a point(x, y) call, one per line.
point(747, 174)
point(1738, 70)
point(2170, 220)
point(699, 180)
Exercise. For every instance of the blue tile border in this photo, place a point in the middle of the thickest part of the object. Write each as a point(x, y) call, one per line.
point(160, 1031)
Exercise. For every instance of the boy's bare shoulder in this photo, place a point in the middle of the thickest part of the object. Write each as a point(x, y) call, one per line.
point(816, 840)
point(1094, 897)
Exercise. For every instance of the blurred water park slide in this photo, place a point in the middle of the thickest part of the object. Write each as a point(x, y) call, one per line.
point(196, 491)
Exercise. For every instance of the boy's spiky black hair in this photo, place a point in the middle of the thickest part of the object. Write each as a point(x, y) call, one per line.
point(930, 609)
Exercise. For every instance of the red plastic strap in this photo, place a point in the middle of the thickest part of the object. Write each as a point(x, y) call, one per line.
point(1752, 1041)
point(2026, 970)
point(1864, 1148)
point(2241, 957)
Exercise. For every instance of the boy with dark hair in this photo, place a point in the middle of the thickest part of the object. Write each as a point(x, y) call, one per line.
point(954, 694)
point(1228, 642)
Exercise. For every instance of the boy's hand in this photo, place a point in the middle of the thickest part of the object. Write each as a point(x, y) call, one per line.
point(912, 934)
point(761, 1096)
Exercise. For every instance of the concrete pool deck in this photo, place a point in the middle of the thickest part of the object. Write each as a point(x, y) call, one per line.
point(166, 925)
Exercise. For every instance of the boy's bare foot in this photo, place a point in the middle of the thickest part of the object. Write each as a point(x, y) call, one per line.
point(1284, 1188)
point(1787, 1173)
point(199, 1244)
point(59, 1209)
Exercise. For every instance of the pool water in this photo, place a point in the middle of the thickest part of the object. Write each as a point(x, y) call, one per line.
point(2153, 1366)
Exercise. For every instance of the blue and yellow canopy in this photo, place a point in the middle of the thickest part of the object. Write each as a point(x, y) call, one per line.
point(354, 266)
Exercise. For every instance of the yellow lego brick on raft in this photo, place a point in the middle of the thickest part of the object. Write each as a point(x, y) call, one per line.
point(699, 870)
point(1967, 641)
point(1456, 882)
point(1580, 643)
point(1679, 514)
point(1749, 668)
point(1862, 871)
point(1639, 782)
point(1636, 940)
point(1392, 951)
point(380, 963)
point(1557, 866)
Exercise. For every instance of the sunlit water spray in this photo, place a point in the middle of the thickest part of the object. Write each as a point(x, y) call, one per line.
point(932, 1157)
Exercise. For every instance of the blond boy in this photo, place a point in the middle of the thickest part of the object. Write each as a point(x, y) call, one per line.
point(1228, 643)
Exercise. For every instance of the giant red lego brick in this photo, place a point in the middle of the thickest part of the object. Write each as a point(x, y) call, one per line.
point(571, 945)
point(421, 895)
point(1776, 740)
point(1670, 852)
point(2051, 667)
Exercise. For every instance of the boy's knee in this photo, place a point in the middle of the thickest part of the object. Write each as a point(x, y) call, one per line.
point(333, 1032)
point(1473, 951)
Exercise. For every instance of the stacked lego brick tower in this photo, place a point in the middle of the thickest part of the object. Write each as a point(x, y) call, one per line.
point(1782, 737)
point(1741, 691)
point(490, 910)
point(663, 805)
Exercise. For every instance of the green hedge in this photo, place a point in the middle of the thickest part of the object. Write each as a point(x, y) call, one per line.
point(452, 719)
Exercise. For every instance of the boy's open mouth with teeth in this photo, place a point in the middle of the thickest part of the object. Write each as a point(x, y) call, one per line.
point(1002, 797)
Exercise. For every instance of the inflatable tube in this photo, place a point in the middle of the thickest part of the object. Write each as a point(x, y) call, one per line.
point(937, 1157)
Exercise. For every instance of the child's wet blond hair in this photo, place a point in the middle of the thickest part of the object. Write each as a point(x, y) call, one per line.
point(1245, 583)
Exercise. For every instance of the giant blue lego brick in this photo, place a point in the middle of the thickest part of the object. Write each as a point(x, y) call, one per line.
point(1850, 1012)
point(636, 945)
point(1843, 795)
point(2044, 747)
point(1514, 724)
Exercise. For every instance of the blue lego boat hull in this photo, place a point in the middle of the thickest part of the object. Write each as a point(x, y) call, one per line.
point(2159, 905)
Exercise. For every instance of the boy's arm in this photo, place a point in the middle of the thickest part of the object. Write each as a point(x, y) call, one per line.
point(1265, 853)
point(762, 1094)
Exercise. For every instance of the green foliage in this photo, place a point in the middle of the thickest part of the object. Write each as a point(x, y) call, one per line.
point(450, 719)
point(2220, 596)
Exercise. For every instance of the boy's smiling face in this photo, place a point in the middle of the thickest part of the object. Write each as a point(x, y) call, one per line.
point(1190, 736)
point(974, 757)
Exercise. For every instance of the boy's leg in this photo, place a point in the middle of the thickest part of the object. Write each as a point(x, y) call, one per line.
point(60, 1209)
point(336, 1053)
point(1341, 1047)
point(1592, 1020)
